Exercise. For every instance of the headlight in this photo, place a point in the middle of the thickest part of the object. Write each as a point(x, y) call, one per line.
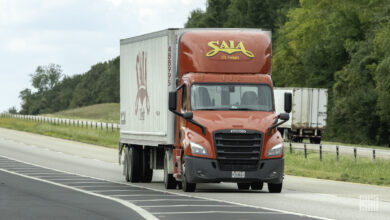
point(198, 149)
point(276, 150)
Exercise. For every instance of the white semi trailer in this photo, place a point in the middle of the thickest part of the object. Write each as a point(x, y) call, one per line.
point(308, 115)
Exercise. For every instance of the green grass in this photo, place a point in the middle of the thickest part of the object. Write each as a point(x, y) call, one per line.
point(86, 135)
point(108, 112)
point(346, 169)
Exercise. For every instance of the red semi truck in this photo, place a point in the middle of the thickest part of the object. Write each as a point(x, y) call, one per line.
point(199, 104)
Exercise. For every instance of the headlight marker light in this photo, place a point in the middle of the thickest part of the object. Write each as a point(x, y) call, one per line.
point(198, 149)
point(276, 150)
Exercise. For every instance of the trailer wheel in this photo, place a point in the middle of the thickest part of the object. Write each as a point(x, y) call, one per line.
point(275, 187)
point(147, 172)
point(132, 164)
point(169, 180)
point(257, 185)
point(315, 140)
point(187, 187)
point(243, 186)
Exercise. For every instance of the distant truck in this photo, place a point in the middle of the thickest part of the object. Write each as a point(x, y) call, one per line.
point(308, 115)
point(199, 104)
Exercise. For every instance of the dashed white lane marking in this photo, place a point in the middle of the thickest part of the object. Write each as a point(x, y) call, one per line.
point(26, 168)
point(142, 212)
point(213, 212)
point(35, 173)
point(189, 196)
point(168, 206)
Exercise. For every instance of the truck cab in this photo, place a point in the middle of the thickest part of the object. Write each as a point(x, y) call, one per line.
point(225, 107)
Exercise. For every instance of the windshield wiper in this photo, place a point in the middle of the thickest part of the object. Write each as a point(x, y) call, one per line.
point(207, 109)
point(245, 109)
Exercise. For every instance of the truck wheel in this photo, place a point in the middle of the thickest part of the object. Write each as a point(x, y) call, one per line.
point(243, 186)
point(187, 187)
point(132, 164)
point(257, 185)
point(169, 180)
point(275, 187)
point(147, 172)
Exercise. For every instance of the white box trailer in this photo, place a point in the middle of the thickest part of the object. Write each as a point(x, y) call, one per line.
point(308, 115)
point(144, 115)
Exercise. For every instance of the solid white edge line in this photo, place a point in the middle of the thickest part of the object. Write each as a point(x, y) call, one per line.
point(191, 196)
point(140, 211)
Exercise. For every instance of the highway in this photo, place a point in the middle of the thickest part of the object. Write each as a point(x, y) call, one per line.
point(45, 178)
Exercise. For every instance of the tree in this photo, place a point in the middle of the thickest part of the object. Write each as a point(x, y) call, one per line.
point(46, 77)
point(12, 110)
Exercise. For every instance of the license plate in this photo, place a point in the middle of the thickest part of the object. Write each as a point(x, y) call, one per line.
point(238, 174)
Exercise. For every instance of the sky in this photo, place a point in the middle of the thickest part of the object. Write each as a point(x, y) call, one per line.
point(75, 34)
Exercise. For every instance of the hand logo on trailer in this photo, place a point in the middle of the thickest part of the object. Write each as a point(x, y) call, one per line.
point(142, 94)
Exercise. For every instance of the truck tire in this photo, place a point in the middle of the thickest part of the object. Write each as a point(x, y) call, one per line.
point(315, 140)
point(257, 185)
point(132, 157)
point(147, 172)
point(169, 180)
point(186, 186)
point(275, 187)
point(243, 186)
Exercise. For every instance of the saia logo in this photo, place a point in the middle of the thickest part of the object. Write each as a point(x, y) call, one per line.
point(228, 48)
point(142, 94)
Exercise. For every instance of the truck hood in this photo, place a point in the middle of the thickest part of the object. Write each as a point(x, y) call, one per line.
point(248, 120)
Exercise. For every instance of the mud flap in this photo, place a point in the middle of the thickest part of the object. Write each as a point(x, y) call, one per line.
point(120, 148)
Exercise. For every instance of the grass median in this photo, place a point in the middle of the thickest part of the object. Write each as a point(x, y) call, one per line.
point(346, 169)
point(87, 135)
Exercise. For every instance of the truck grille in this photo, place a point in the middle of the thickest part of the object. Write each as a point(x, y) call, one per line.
point(238, 151)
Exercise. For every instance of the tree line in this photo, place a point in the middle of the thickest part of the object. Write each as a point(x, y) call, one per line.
point(341, 45)
point(54, 91)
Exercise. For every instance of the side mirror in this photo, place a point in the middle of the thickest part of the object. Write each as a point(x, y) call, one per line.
point(284, 116)
point(287, 102)
point(188, 115)
point(172, 101)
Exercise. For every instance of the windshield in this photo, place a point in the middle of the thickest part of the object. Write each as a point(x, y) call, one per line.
point(250, 97)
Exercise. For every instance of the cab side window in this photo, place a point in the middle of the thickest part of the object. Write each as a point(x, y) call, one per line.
point(184, 98)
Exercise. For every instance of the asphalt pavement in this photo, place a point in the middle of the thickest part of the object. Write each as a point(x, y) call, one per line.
point(25, 198)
